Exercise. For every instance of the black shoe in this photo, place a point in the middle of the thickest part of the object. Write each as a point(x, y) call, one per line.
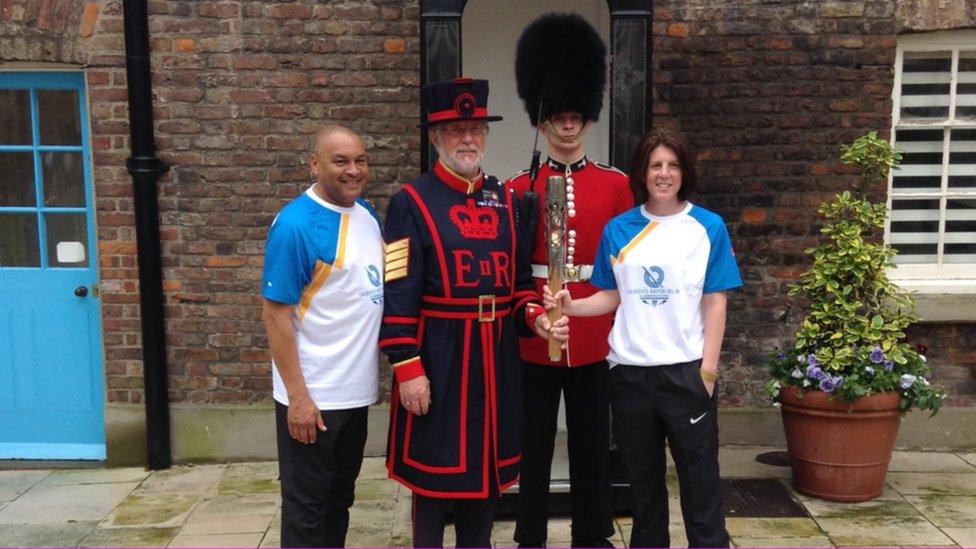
point(531, 545)
point(602, 542)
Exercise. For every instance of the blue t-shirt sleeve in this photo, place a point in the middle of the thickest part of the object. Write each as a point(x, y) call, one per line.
point(287, 265)
point(602, 266)
point(722, 273)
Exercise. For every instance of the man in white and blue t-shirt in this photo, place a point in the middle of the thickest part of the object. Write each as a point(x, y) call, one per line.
point(323, 303)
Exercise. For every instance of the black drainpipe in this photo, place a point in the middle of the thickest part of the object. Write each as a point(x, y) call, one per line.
point(145, 169)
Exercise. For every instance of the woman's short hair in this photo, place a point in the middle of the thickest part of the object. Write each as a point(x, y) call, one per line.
point(678, 143)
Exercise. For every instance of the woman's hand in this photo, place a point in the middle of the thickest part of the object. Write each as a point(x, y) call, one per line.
point(562, 297)
point(558, 330)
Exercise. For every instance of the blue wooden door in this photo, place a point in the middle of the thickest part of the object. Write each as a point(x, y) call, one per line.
point(51, 384)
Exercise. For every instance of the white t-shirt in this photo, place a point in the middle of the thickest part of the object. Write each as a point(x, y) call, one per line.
point(662, 265)
point(328, 262)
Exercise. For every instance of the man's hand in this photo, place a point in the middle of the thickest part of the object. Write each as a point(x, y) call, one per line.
point(304, 418)
point(415, 395)
point(558, 330)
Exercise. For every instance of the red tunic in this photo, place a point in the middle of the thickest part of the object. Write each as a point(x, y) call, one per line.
point(601, 193)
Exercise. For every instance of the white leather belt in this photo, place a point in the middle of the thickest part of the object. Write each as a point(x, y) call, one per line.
point(582, 272)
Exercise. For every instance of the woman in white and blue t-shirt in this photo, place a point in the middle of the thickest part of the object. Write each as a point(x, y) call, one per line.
point(665, 267)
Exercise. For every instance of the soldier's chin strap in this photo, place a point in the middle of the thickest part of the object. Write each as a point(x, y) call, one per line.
point(530, 200)
point(536, 154)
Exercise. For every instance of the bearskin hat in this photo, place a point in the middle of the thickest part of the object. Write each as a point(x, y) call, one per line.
point(560, 60)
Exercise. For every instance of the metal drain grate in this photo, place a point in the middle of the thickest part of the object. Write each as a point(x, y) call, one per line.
point(759, 498)
point(751, 498)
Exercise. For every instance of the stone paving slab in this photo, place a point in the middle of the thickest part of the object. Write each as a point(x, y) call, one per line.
point(965, 537)
point(183, 479)
point(969, 458)
point(951, 511)
point(675, 529)
point(876, 508)
point(882, 531)
point(129, 537)
point(58, 504)
point(68, 534)
point(820, 541)
point(151, 510)
point(226, 524)
point(740, 462)
point(262, 504)
point(218, 540)
point(250, 478)
point(15, 483)
point(929, 462)
point(914, 484)
point(773, 527)
point(95, 476)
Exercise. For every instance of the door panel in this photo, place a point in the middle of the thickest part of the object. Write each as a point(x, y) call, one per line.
point(51, 399)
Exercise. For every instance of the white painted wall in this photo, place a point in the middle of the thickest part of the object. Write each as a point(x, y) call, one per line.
point(490, 30)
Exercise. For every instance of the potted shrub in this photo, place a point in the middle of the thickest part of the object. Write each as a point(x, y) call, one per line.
point(850, 375)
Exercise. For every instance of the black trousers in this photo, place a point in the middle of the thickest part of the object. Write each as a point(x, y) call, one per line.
point(588, 426)
point(318, 481)
point(473, 519)
point(658, 403)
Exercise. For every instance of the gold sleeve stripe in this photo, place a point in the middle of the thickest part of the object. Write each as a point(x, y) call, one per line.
point(635, 241)
point(397, 264)
point(405, 362)
point(396, 245)
point(395, 275)
point(398, 254)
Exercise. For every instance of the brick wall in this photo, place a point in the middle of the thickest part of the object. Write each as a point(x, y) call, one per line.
point(240, 87)
point(768, 91)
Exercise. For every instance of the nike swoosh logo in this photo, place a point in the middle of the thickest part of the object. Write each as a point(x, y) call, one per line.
point(695, 420)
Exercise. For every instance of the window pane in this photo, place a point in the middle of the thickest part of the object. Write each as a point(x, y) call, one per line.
point(925, 79)
point(960, 238)
point(15, 117)
point(962, 160)
point(64, 179)
point(921, 165)
point(67, 240)
point(966, 85)
point(915, 230)
point(60, 120)
point(18, 241)
point(17, 179)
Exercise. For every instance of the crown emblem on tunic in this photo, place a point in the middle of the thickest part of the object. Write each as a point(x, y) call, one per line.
point(475, 222)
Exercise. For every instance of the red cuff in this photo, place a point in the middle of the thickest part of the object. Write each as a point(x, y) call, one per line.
point(408, 369)
point(532, 311)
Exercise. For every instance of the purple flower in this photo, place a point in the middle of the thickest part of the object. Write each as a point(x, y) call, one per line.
point(869, 370)
point(780, 357)
point(877, 355)
point(814, 372)
point(830, 383)
point(812, 360)
point(907, 381)
point(888, 365)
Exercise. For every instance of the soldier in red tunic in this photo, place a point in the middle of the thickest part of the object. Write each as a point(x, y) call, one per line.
point(561, 65)
point(458, 294)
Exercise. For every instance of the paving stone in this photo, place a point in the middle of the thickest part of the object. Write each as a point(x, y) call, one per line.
point(218, 540)
point(928, 462)
point(369, 516)
point(226, 524)
point(263, 504)
point(676, 530)
point(920, 484)
point(129, 537)
point(742, 541)
point(773, 527)
point(45, 535)
point(965, 537)
point(15, 483)
point(184, 479)
point(879, 531)
point(46, 504)
point(740, 462)
point(875, 508)
point(364, 536)
point(159, 510)
point(373, 468)
point(559, 532)
point(250, 478)
point(401, 534)
point(95, 476)
point(376, 490)
point(272, 540)
point(951, 511)
point(969, 458)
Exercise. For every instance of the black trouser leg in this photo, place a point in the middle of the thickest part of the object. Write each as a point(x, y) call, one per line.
point(588, 426)
point(473, 520)
point(640, 436)
point(318, 480)
point(540, 388)
point(428, 518)
point(691, 417)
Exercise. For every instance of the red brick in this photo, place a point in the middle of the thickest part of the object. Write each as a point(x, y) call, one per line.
point(678, 30)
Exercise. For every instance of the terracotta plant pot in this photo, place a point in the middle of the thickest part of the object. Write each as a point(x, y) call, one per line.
point(839, 451)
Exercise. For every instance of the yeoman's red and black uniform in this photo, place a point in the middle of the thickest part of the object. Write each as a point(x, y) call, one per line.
point(455, 301)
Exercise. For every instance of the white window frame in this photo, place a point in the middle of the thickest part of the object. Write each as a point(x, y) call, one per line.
point(945, 292)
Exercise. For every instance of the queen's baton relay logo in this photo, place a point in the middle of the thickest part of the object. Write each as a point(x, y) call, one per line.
point(375, 278)
point(655, 293)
